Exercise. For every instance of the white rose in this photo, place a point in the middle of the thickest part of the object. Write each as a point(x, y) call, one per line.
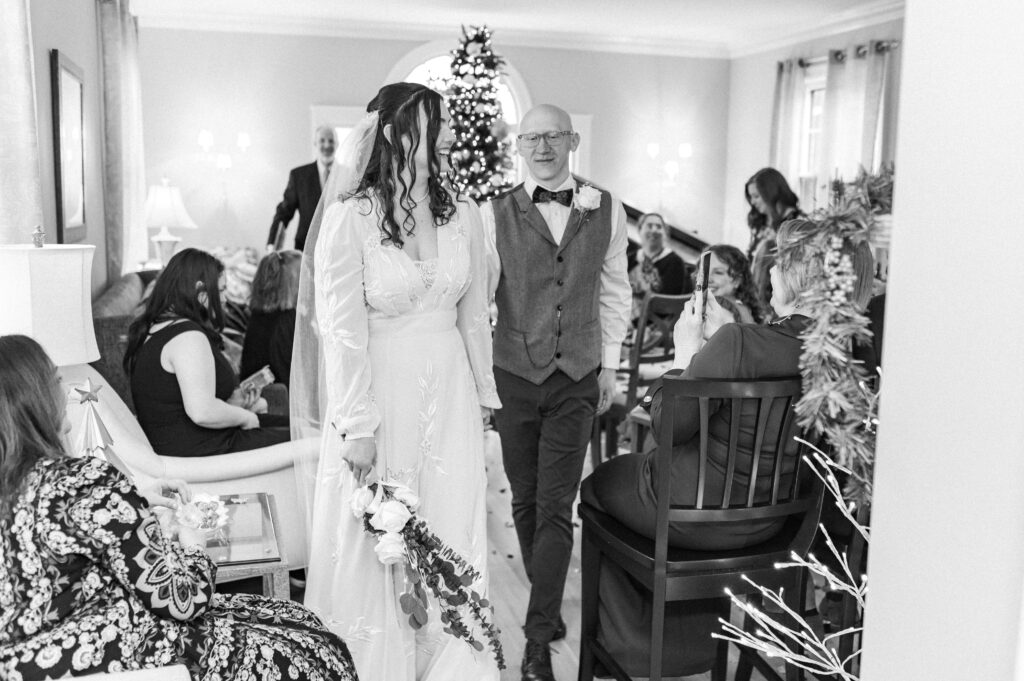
point(407, 497)
point(390, 548)
point(391, 518)
point(360, 500)
point(378, 498)
point(588, 198)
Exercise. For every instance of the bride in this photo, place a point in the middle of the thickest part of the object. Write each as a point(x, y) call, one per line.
point(395, 266)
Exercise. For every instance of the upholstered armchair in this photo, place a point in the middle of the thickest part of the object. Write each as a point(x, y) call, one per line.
point(270, 469)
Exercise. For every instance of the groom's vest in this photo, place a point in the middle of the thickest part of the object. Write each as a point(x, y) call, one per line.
point(548, 293)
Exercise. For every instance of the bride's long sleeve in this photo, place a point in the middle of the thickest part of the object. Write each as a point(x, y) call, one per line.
point(474, 318)
point(342, 318)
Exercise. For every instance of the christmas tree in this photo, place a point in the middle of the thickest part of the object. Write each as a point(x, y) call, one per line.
point(480, 155)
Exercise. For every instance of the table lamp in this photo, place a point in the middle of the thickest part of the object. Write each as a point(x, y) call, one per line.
point(47, 295)
point(164, 209)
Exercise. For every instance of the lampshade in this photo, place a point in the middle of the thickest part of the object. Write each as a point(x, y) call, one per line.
point(164, 208)
point(46, 294)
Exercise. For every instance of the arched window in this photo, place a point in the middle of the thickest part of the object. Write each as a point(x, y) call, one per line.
point(430, 65)
point(436, 73)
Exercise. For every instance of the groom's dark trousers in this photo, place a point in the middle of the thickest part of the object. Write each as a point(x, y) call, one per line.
point(544, 432)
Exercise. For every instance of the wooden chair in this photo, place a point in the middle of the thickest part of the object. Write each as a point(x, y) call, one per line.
point(675, 574)
point(652, 345)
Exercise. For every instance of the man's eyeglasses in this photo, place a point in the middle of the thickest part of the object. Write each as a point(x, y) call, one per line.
point(554, 138)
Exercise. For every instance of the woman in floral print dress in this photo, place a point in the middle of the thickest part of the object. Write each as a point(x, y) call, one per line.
point(88, 581)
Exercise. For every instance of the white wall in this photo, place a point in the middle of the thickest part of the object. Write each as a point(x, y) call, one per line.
point(752, 93)
point(72, 28)
point(947, 550)
point(265, 85)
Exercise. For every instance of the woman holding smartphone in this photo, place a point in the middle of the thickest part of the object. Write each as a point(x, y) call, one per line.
point(185, 392)
point(623, 487)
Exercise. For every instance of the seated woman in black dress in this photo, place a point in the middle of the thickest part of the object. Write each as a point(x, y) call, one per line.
point(623, 487)
point(271, 331)
point(184, 389)
point(90, 583)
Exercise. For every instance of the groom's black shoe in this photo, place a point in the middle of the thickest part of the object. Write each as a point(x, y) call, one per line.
point(537, 662)
point(559, 630)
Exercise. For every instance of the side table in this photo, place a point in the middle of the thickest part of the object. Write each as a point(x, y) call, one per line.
point(250, 545)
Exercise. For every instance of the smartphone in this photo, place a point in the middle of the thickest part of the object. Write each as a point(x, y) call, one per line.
point(703, 273)
point(258, 381)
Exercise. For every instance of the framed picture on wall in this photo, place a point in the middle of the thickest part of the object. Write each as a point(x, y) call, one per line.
point(67, 84)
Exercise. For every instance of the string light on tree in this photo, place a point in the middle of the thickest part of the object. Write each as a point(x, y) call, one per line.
point(481, 154)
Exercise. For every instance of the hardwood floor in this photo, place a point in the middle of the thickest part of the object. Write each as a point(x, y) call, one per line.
point(510, 589)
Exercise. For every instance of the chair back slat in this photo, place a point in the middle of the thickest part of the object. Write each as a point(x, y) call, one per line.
point(735, 407)
point(784, 437)
point(764, 408)
point(773, 456)
point(702, 465)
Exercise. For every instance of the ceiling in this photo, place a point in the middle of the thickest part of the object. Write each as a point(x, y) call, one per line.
point(699, 28)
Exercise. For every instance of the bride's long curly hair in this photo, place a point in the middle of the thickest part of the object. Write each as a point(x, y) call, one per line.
point(385, 178)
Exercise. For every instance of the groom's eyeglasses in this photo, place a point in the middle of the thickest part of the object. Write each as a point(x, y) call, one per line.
point(554, 138)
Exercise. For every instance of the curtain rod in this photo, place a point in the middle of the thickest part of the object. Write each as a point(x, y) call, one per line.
point(859, 52)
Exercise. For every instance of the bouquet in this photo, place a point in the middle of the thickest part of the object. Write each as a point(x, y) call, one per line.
point(388, 511)
point(204, 512)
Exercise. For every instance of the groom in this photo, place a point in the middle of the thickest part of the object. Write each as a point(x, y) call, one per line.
point(558, 272)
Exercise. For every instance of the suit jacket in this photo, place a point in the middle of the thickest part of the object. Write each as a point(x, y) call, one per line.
point(301, 194)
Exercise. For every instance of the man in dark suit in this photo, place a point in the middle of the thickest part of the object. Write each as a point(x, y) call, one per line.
point(303, 191)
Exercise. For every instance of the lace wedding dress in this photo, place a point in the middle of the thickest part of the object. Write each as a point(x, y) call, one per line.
point(407, 352)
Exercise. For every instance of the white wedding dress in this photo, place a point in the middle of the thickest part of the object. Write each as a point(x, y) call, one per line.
point(407, 350)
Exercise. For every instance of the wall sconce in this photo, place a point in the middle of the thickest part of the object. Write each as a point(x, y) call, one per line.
point(205, 141)
point(685, 150)
point(653, 150)
point(222, 159)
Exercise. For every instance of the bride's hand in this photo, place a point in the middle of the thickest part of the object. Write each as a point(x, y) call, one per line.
point(485, 414)
point(360, 454)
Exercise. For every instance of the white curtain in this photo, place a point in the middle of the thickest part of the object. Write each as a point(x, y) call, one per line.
point(21, 197)
point(787, 115)
point(125, 181)
point(859, 120)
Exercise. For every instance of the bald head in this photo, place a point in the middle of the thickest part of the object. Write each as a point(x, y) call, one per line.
point(547, 114)
point(545, 140)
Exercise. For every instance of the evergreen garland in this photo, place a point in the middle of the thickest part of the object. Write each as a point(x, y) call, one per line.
point(480, 156)
point(839, 400)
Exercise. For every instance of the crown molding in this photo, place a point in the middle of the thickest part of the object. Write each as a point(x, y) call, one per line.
point(862, 17)
point(154, 16)
point(335, 27)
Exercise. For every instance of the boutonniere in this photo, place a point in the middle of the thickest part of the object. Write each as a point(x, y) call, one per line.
point(587, 199)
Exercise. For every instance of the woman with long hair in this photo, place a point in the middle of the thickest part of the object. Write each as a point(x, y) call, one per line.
point(271, 331)
point(398, 273)
point(731, 282)
point(771, 203)
point(185, 392)
point(89, 581)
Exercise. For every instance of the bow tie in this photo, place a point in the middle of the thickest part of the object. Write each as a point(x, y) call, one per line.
point(541, 195)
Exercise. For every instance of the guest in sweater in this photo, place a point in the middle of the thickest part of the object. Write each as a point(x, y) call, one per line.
point(271, 330)
point(659, 269)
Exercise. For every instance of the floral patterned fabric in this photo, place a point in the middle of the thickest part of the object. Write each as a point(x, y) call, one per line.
point(89, 583)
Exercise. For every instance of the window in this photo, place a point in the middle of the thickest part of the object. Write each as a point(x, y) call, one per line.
point(811, 128)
